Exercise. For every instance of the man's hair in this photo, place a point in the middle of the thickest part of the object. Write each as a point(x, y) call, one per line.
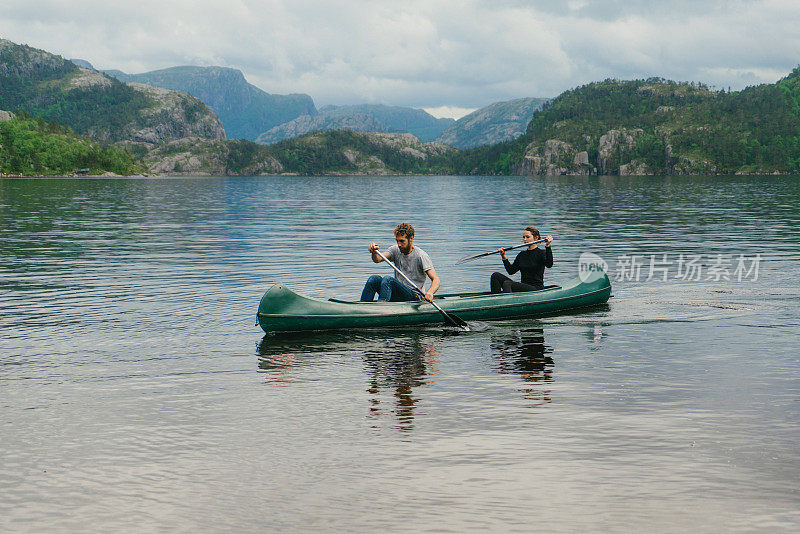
point(404, 229)
point(532, 230)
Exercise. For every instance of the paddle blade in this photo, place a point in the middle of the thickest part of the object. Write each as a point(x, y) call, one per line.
point(455, 320)
point(475, 257)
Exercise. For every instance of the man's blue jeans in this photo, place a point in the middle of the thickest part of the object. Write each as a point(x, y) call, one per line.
point(388, 288)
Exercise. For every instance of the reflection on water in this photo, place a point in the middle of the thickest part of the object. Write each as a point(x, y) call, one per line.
point(525, 353)
point(411, 363)
point(394, 363)
point(397, 363)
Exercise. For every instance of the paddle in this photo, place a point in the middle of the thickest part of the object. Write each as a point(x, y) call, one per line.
point(452, 320)
point(476, 256)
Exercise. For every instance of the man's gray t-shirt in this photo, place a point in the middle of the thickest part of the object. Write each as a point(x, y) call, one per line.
point(413, 265)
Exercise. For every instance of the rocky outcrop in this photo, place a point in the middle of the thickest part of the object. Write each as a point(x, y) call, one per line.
point(264, 165)
point(634, 168)
point(194, 156)
point(686, 165)
point(581, 159)
point(408, 144)
point(404, 143)
point(555, 158)
point(5, 116)
point(189, 156)
point(85, 78)
point(611, 147)
point(173, 116)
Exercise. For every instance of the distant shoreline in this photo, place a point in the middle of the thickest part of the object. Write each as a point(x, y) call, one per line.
point(387, 175)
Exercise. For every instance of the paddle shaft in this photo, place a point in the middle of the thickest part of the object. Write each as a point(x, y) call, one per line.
point(451, 319)
point(476, 256)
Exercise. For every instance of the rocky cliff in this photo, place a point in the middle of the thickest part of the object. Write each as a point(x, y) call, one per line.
point(172, 116)
point(556, 157)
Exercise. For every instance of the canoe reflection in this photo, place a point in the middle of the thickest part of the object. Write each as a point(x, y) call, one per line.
point(525, 353)
point(395, 365)
point(398, 363)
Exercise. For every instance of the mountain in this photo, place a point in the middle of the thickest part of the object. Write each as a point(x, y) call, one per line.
point(654, 126)
point(492, 124)
point(245, 110)
point(82, 63)
point(362, 118)
point(145, 121)
point(613, 127)
point(98, 106)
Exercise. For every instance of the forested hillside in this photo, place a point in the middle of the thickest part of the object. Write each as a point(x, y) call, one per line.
point(655, 126)
point(36, 147)
point(49, 86)
point(342, 152)
point(614, 127)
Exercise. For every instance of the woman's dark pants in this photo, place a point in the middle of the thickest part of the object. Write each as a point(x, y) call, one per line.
point(500, 283)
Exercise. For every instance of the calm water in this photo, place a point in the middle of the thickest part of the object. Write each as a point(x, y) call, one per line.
point(136, 394)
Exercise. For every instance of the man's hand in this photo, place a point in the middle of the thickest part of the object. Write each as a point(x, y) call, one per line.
point(373, 247)
point(428, 296)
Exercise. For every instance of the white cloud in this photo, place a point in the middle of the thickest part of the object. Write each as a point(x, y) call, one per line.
point(449, 112)
point(423, 53)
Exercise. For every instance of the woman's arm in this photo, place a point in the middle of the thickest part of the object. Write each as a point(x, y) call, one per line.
point(511, 268)
point(548, 252)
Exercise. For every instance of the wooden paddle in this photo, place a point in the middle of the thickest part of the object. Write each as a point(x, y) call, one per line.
point(476, 256)
point(449, 318)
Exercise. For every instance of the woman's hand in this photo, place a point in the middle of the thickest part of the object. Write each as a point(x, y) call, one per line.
point(502, 252)
point(548, 240)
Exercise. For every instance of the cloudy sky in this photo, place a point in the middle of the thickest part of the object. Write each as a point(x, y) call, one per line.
point(434, 54)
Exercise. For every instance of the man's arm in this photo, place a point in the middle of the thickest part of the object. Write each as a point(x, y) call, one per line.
point(377, 257)
point(435, 283)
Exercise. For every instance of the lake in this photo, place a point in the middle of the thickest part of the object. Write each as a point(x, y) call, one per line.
point(137, 394)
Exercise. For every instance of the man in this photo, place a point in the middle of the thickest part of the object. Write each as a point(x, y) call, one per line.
point(412, 261)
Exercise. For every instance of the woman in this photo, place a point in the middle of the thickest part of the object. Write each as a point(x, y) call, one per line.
point(531, 262)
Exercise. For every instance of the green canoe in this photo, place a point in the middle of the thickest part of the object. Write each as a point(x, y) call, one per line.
point(282, 310)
